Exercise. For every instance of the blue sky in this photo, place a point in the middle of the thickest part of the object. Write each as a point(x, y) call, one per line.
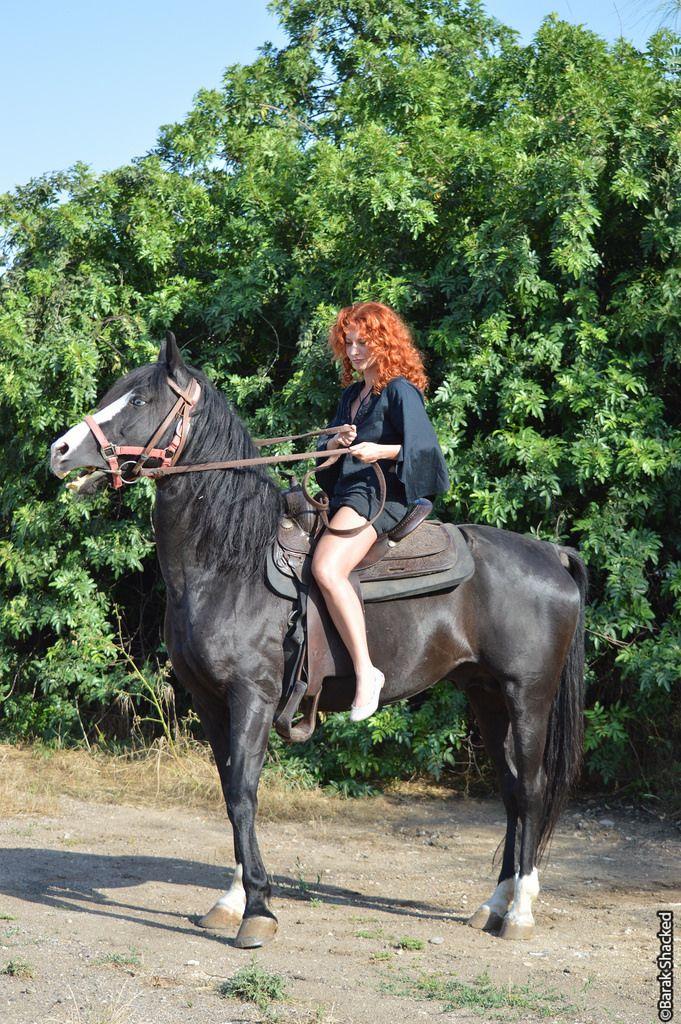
point(93, 82)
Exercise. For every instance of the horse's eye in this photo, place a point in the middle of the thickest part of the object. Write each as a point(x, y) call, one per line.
point(137, 401)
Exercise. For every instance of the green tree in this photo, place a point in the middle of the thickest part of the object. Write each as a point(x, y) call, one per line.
point(518, 204)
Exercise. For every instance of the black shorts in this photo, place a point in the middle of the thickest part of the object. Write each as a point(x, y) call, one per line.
point(366, 503)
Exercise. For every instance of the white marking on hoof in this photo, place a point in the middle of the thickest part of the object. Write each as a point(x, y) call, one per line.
point(229, 909)
point(515, 932)
point(490, 914)
point(520, 912)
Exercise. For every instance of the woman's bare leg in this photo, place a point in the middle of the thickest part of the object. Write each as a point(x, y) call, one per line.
point(333, 561)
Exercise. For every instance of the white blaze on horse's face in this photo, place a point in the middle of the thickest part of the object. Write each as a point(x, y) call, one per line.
point(64, 451)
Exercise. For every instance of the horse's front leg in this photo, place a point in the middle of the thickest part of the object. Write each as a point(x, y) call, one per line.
point(227, 912)
point(251, 714)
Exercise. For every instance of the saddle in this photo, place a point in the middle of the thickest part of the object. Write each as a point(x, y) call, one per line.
point(417, 556)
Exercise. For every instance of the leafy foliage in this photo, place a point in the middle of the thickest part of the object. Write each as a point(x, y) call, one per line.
point(518, 204)
point(395, 741)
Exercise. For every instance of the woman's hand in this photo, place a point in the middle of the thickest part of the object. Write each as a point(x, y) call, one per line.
point(367, 451)
point(344, 438)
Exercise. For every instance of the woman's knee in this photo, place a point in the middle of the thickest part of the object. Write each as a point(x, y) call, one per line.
point(326, 572)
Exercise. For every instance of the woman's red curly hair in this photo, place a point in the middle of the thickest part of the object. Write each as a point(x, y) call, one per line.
point(388, 338)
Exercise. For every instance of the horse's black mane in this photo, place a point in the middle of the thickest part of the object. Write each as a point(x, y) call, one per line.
point(230, 514)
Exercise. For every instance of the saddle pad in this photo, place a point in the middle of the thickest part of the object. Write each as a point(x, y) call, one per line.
point(378, 582)
point(426, 541)
point(432, 550)
point(429, 548)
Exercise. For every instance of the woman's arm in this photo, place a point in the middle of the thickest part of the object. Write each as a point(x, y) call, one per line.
point(371, 451)
point(390, 451)
point(420, 464)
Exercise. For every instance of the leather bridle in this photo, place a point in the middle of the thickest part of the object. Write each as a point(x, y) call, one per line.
point(183, 409)
point(168, 456)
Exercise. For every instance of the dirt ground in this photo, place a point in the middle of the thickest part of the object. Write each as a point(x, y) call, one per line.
point(98, 903)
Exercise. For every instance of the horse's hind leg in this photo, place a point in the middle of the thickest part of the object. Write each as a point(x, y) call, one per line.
point(492, 717)
point(227, 912)
point(529, 722)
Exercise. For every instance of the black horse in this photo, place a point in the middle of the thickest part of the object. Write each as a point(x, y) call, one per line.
point(512, 636)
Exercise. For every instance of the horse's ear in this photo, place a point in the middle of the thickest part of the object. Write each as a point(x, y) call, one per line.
point(170, 355)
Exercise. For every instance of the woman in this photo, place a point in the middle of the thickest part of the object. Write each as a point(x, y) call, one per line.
point(384, 413)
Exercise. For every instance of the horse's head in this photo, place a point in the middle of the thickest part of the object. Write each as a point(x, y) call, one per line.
point(143, 417)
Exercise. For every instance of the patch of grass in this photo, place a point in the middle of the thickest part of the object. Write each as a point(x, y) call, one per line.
point(320, 1015)
point(378, 934)
point(370, 933)
point(480, 995)
point(383, 954)
point(303, 885)
point(252, 984)
point(123, 960)
point(316, 902)
point(18, 969)
point(7, 917)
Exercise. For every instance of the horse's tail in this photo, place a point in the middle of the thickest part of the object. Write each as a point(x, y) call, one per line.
point(565, 735)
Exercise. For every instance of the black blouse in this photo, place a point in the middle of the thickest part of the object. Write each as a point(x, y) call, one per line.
point(397, 415)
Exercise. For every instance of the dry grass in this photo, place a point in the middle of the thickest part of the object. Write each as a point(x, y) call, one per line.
point(34, 779)
point(117, 1008)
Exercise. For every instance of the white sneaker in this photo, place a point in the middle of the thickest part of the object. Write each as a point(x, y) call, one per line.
point(358, 714)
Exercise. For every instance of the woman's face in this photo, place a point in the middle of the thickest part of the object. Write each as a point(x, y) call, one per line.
point(357, 351)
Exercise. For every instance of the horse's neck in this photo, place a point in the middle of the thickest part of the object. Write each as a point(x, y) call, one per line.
point(176, 542)
point(205, 525)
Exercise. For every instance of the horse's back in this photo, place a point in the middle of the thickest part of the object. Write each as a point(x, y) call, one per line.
point(525, 601)
point(503, 554)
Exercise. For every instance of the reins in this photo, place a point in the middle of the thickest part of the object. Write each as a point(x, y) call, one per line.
point(183, 409)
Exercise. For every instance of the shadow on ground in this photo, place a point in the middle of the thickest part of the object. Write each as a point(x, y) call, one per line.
point(68, 880)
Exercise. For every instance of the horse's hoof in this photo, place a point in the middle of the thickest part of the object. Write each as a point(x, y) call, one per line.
point(256, 931)
point(221, 919)
point(515, 930)
point(486, 920)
